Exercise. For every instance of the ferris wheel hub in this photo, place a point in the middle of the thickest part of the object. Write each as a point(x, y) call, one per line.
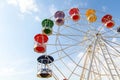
point(98, 34)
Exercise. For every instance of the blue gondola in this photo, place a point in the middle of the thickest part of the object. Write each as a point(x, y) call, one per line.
point(45, 59)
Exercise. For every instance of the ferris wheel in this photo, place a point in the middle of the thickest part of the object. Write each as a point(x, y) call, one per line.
point(79, 44)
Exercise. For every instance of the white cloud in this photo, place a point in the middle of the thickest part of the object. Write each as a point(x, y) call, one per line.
point(25, 6)
point(52, 9)
point(14, 66)
point(12, 2)
point(114, 40)
point(21, 16)
point(80, 55)
point(10, 71)
point(6, 71)
point(2, 5)
point(37, 18)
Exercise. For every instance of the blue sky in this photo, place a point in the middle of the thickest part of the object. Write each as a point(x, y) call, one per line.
point(20, 20)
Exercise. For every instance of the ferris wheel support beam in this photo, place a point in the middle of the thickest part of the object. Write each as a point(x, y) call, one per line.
point(95, 67)
point(92, 59)
point(103, 33)
point(112, 47)
point(112, 60)
point(112, 42)
point(103, 68)
point(85, 66)
point(109, 60)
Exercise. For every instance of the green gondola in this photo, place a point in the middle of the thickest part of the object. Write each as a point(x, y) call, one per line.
point(47, 26)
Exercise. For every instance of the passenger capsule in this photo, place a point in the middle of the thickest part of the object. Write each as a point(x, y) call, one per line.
point(74, 13)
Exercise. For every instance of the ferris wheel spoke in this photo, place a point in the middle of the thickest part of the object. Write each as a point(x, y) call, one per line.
point(86, 69)
point(114, 36)
point(77, 39)
point(67, 47)
point(70, 38)
point(56, 67)
point(62, 57)
point(90, 26)
point(117, 44)
point(75, 35)
point(69, 55)
point(59, 70)
point(71, 60)
point(55, 76)
point(78, 63)
point(68, 67)
point(109, 45)
point(59, 50)
point(109, 30)
point(79, 30)
point(65, 64)
point(63, 44)
point(58, 30)
point(74, 63)
point(101, 28)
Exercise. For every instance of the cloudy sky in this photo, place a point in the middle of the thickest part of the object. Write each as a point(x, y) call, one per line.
point(20, 20)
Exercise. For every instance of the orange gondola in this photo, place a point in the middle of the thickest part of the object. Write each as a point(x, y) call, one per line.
point(89, 12)
point(91, 15)
point(92, 18)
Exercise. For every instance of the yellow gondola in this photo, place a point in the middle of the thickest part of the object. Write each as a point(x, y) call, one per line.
point(92, 18)
point(89, 12)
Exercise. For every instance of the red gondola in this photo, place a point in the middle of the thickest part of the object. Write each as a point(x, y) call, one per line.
point(106, 18)
point(109, 24)
point(40, 48)
point(74, 13)
point(41, 38)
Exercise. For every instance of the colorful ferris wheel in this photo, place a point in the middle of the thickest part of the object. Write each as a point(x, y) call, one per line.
point(79, 44)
